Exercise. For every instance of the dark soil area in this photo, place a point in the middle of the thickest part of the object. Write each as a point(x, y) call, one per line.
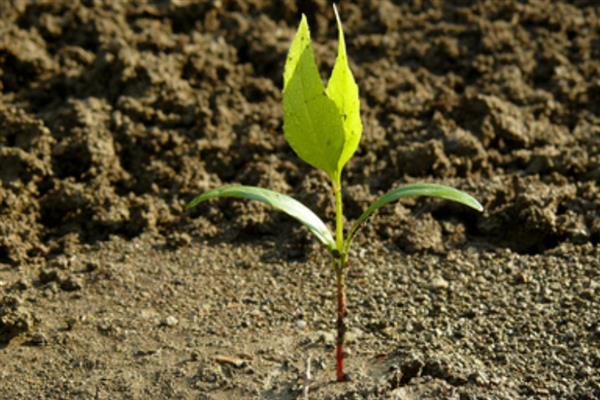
point(114, 114)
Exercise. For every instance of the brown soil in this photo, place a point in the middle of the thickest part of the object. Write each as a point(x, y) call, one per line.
point(113, 114)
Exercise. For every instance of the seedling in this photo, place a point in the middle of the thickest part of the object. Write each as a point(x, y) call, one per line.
point(323, 127)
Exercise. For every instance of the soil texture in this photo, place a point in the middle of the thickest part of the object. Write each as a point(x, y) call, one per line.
point(114, 114)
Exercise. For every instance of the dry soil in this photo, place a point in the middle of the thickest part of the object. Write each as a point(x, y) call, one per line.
point(113, 114)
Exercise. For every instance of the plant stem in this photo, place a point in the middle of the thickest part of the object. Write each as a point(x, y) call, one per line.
point(341, 325)
point(339, 264)
point(339, 216)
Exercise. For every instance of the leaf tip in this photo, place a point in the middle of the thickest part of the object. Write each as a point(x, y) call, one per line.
point(339, 25)
point(337, 14)
point(303, 22)
point(191, 204)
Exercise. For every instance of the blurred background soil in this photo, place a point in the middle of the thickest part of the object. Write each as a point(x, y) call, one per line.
point(114, 114)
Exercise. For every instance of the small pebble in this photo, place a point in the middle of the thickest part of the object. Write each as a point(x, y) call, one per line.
point(353, 335)
point(301, 324)
point(171, 321)
point(439, 283)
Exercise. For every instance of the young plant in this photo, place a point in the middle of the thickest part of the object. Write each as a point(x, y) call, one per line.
point(323, 127)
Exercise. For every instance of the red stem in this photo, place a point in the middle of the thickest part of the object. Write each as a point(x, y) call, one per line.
point(341, 326)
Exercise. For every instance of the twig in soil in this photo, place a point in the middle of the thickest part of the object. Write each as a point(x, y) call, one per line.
point(307, 378)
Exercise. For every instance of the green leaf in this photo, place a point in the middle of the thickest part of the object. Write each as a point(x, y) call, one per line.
point(312, 122)
point(342, 89)
point(280, 201)
point(414, 190)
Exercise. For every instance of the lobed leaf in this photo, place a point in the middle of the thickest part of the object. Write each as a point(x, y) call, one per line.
point(312, 122)
point(342, 89)
point(414, 190)
point(277, 200)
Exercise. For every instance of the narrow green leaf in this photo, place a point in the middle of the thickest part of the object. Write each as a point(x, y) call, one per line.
point(279, 201)
point(342, 89)
point(414, 190)
point(312, 123)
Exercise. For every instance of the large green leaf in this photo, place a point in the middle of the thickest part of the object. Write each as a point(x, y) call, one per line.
point(414, 190)
point(342, 89)
point(280, 201)
point(313, 125)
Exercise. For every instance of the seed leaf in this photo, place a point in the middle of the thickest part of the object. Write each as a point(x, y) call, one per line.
point(280, 201)
point(342, 89)
point(414, 190)
point(312, 122)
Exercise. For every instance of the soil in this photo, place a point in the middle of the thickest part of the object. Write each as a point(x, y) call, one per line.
point(114, 114)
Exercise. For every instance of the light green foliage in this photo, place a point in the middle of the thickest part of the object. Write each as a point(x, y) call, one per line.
point(414, 190)
point(312, 124)
point(277, 200)
point(321, 125)
point(342, 89)
point(324, 129)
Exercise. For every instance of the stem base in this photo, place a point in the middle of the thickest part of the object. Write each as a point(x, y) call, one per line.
point(341, 324)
